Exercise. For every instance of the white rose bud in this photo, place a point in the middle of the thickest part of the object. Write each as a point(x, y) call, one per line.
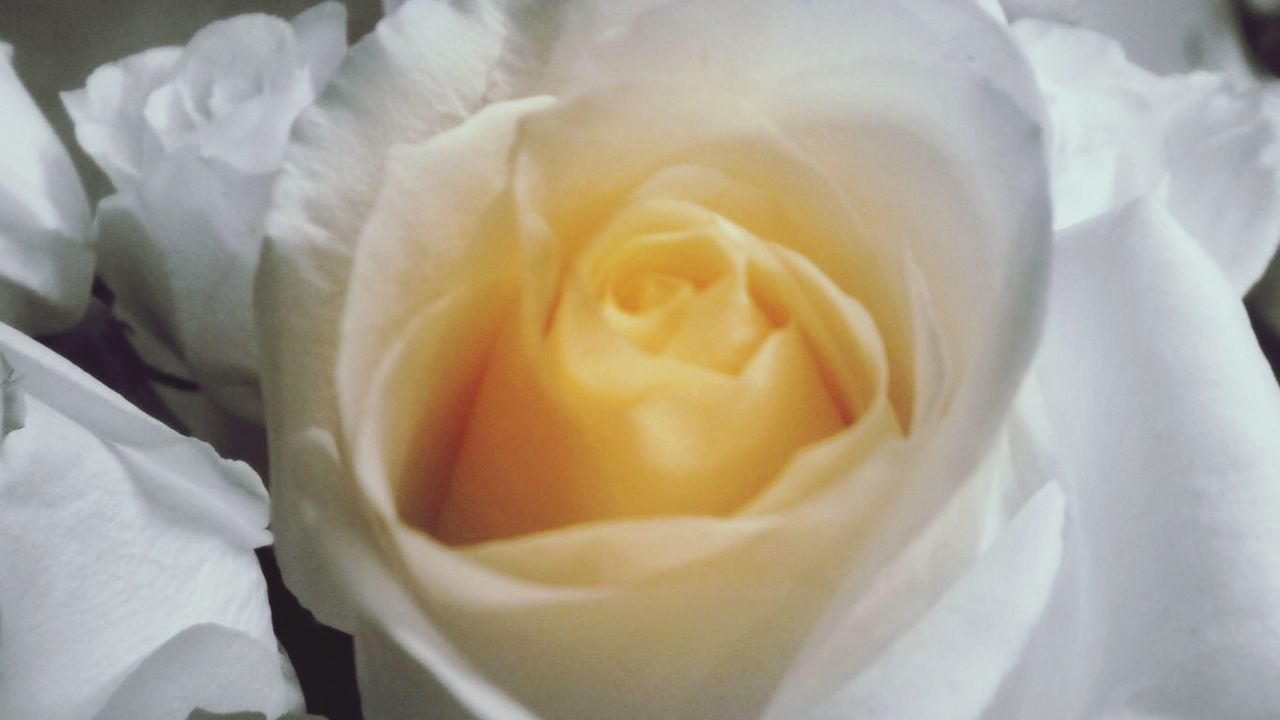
point(191, 137)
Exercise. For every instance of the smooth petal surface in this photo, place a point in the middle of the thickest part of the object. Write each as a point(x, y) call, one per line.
point(119, 535)
point(321, 34)
point(917, 617)
point(434, 62)
point(46, 263)
point(180, 254)
point(107, 113)
point(1206, 147)
point(964, 645)
point(1164, 418)
point(206, 666)
point(1166, 36)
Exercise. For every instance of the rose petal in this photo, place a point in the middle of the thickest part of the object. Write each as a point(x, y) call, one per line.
point(236, 91)
point(1165, 418)
point(965, 202)
point(322, 40)
point(13, 403)
point(1225, 174)
point(118, 534)
point(46, 263)
point(191, 138)
point(964, 645)
point(1207, 148)
point(180, 254)
point(407, 671)
point(434, 63)
point(885, 627)
point(750, 48)
point(1170, 36)
point(205, 666)
point(993, 7)
point(107, 112)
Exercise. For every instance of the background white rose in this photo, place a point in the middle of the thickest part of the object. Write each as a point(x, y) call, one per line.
point(47, 265)
point(1164, 36)
point(129, 588)
point(191, 138)
point(1204, 146)
point(1184, 36)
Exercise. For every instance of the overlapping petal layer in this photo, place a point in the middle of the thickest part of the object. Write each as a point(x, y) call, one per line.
point(191, 138)
point(46, 263)
point(121, 536)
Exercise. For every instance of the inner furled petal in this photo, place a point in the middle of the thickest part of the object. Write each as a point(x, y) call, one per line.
point(630, 145)
point(686, 362)
point(229, 63)
point(685, 294)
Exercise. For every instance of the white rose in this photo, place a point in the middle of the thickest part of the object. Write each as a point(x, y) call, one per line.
point(1170, 36)
point(1203, 146)
point(129, 588)
point(46, 263)
point(191, 138)
point(671, 361)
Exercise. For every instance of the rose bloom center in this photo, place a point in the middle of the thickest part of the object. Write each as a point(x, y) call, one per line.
point(652, 337)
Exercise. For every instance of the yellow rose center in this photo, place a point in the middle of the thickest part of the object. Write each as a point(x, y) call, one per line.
point(673, 378)
point(663, 336)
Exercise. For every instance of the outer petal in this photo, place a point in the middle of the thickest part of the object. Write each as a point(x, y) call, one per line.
point(237, 88)
point(435, 62)
point(107, 112)
point(180, 254)
point(1207, 148)
point(864, 661)
point(1168, 36)
point(1165, 419)
point(205, 666)
point(118, 535)
point(963, 646)
point(322, 40)
point(46, 263)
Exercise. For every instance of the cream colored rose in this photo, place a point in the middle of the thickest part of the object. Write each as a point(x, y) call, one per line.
point(675, 332)
point(616, 383)
point(660, 360)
